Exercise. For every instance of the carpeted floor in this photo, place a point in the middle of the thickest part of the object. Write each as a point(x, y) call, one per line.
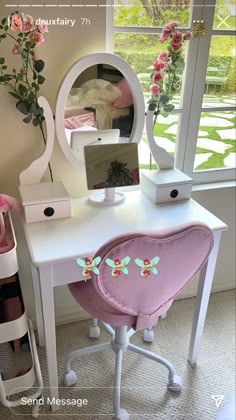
point(144, 393)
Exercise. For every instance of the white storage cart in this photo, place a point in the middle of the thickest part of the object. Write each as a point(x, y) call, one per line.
point(13, 330)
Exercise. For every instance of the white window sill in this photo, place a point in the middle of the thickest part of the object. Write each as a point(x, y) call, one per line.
point(213, 185)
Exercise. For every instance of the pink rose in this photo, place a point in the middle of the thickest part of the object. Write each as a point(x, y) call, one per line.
point(176, 37)
point(42, 27)
point(29, 23)
point(157, 77)
point(154, 89)
point(36, 38)
point(158, 65)
point(15, 49)
point(163, 55)
point(175, 47)
point(173, 24)
point(187, 36)
point(165, 34)
point(17, 23)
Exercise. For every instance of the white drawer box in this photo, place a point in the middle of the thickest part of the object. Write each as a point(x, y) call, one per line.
point(166, 185)
point(45, 201)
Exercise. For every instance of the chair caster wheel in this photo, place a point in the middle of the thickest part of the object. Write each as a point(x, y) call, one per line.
point(175, 384)
point(123, 415)
point(70, 378)
point(94, 332)
point(148, 336)
point(35, 411)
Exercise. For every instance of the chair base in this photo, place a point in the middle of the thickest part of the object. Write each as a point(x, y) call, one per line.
point(123, 415)
point(120, 344)
point(94, 330)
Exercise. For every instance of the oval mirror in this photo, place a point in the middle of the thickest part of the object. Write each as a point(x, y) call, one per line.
point(100, 99)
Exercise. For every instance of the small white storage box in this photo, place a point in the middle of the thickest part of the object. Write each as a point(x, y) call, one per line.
point(45, 201)
point(166, 185)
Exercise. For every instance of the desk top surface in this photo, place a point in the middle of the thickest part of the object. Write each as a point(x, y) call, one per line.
point(90, 226)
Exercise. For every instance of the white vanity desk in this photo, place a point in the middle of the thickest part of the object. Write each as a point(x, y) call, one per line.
point(55, 245)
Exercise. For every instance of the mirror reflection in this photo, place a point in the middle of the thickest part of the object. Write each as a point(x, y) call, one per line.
point(99, 100)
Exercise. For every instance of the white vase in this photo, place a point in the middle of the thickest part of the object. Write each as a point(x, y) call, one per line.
point(160, 155)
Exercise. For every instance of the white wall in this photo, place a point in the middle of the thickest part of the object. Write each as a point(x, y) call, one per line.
point(20, 144)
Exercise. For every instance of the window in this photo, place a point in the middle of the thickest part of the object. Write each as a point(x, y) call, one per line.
point(201, 130)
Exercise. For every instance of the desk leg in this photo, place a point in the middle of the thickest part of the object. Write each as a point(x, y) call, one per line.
point(38, 306)
point(46, 283)
point(202, 299)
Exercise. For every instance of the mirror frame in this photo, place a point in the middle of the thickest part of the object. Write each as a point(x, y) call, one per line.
point(77, 68)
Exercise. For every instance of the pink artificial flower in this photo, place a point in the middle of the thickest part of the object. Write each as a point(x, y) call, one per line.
point(17, 23)
point(157, 77)
point(36, 38)
point(166, 31)
point(163, 55)
point(173, 24)
point(154, 89)
point(29, 23)
point(188, 35)
point(15, 49)
point(42, 27)
point(159, 65)
point(177, 37)
point(175, 47)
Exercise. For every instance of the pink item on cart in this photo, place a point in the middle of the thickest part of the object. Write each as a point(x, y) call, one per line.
point(7, 203)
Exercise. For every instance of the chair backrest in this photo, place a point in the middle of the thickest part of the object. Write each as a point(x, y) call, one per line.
point(140, 273)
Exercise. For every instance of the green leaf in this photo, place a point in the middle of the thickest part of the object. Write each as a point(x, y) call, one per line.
point(33, 108)
point(3, 21)
point(2, 60)
point(164, 114)
point(40, 111)
point(27, 119)
point(35, 122)
point(23, 107)
point(164, 98)
point(168, 107)
point(22, 89)
point(41, 79)
point(31, 97)
point(152, 101)
point(15, 95)
point(152, 106)
point(39, 65)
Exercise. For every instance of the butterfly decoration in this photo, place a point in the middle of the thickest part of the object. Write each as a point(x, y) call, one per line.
point(88, 266)
point(147, 266)
point(118, 266)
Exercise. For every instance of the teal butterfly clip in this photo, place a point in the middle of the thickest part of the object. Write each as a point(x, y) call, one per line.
point(88, 266)
point(147, 266)
point(118, 266)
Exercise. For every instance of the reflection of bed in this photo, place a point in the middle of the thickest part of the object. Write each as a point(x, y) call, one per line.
point(101, 104)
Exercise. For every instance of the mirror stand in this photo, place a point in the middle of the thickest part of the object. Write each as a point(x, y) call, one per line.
point(108, 197)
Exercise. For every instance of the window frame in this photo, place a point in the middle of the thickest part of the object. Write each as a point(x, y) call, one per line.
point(192, 96)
